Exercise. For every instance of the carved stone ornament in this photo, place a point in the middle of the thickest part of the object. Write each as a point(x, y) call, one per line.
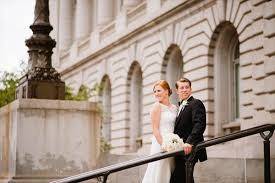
point(43, 74)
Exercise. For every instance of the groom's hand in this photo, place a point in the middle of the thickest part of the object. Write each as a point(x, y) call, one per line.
point(187, 148)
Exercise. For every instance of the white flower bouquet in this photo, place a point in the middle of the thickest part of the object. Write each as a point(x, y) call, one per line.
point(171, 142)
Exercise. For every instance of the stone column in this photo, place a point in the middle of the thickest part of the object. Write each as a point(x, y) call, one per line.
point(66, 24)
point(105, 12)
point(83, 18)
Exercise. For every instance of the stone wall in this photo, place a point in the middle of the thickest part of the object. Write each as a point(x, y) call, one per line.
point(193, 27)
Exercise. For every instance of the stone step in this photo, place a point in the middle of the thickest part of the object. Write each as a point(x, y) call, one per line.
point(227, 170)
point(219, 170)
point(132, 175)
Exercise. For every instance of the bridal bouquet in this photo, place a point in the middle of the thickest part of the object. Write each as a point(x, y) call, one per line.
point(171, 142)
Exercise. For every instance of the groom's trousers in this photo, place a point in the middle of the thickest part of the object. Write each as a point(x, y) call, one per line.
point(179, 174)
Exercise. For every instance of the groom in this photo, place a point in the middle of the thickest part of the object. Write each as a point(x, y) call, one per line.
point(190, 125)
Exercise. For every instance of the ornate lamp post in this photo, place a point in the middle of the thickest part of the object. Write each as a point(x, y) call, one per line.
point(42, 81)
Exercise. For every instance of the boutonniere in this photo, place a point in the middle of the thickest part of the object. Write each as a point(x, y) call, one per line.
point(185, 102)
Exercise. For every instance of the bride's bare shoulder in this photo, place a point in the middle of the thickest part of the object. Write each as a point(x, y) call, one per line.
point(156, 107)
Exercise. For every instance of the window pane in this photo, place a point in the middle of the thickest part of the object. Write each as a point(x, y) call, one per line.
point(237, 89)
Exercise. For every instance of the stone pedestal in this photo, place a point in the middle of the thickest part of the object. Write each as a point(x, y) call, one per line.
point(42, 140)
point(40, 89)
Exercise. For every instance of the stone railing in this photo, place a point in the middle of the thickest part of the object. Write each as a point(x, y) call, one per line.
point(136, 13)
point(107, 31)
point(83, 46)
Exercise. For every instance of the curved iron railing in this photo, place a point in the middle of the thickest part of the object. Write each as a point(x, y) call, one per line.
point(106, 171)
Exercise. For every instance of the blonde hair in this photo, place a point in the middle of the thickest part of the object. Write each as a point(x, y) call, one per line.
point(164, 84)
point(183, 80)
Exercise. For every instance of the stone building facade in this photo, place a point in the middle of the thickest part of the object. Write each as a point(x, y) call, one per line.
point(225, 47)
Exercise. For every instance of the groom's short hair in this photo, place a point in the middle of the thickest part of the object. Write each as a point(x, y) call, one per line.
point(183, 80)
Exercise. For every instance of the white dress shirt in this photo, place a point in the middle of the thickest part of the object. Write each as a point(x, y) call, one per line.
point(182, 105)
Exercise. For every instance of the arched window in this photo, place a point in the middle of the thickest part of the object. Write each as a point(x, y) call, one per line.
point(106, 108)
point(173, 68)
point(236, 84)
point(135, 104)
point(226, 78)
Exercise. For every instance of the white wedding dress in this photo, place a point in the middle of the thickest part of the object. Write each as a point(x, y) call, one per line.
point(160, 171)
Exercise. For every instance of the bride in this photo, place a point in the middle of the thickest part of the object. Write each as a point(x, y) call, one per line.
point(163, 115)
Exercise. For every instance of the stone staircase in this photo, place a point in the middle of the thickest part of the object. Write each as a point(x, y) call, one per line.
point(132, 175)
point(218, 170)
point(229, 170)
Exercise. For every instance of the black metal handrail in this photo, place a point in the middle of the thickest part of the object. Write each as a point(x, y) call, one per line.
point(106, 171)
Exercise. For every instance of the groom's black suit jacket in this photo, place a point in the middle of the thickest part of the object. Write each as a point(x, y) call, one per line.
point(190, 125)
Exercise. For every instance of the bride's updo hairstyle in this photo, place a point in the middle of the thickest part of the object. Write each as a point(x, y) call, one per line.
point(164, 84)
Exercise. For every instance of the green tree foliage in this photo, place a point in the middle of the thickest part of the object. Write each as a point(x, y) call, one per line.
point(8, 83)
point(105, 146)
point(82, 94)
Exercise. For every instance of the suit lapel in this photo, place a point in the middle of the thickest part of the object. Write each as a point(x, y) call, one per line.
point(182, 112)
point(177, 121)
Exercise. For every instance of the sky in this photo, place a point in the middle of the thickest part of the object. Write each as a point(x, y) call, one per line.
point(15, 18)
